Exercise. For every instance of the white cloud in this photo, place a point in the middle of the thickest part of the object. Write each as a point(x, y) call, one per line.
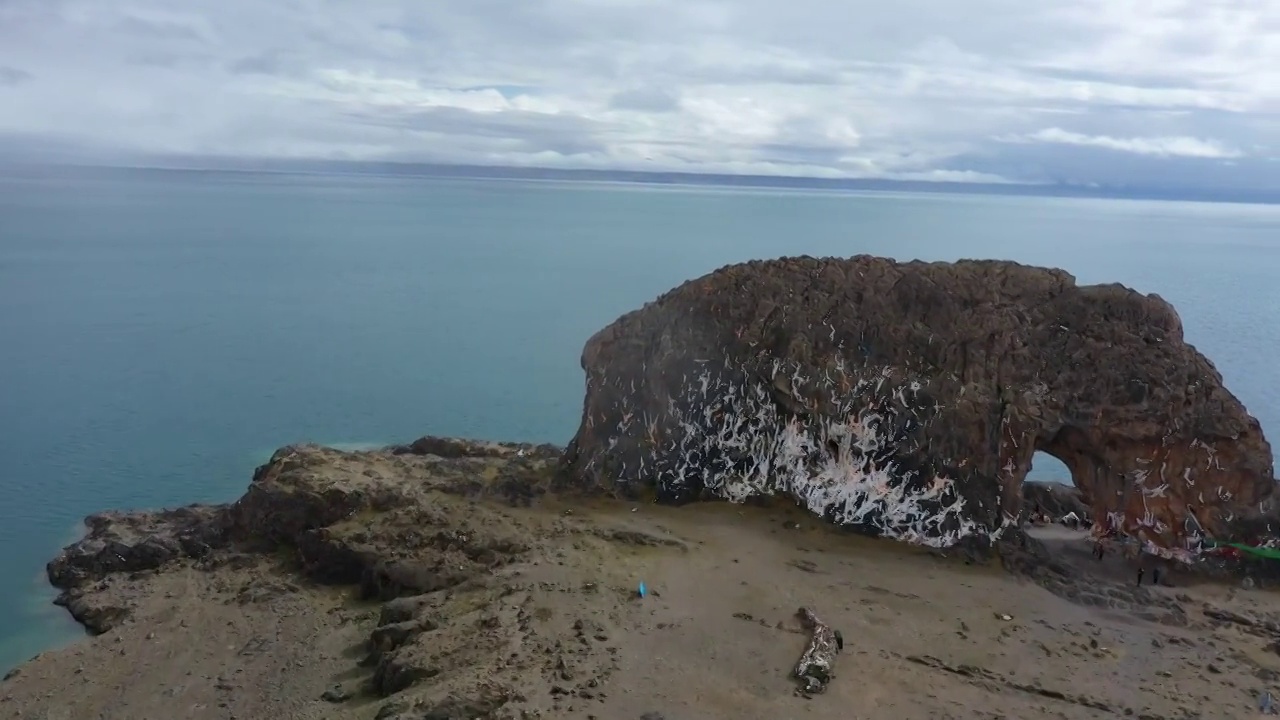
point(910, 89)
point(1159, 146)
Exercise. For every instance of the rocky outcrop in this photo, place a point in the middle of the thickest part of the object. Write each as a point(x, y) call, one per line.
point(132, 542)
point(116, 542)
point(907, 399)
point(307, 501)
point(436, 532)
point(401, 585)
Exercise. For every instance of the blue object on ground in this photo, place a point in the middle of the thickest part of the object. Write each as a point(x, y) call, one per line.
point(641, 590)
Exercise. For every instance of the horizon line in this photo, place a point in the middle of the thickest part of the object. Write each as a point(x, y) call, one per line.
point(420, 169)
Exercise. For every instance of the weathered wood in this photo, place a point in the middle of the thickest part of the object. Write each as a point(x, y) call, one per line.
point(814, 669)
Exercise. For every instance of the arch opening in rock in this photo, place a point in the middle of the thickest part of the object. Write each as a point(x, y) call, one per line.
point(1049, 491)
point(1086, 469)
point(908, 400)
point(1046, 468)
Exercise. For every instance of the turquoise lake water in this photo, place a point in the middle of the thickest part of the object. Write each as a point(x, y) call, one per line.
point(162, 332)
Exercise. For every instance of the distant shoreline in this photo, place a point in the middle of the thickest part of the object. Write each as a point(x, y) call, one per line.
point(655, 179)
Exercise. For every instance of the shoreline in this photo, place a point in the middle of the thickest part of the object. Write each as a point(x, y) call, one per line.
point(155, 521)
point(50, 627)
point(463, 582)
point(43, 595)
point(55, 628)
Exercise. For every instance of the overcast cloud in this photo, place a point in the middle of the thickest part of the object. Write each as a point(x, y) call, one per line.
point(1091, 91)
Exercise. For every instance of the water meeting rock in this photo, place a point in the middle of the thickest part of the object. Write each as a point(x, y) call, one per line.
point(907, 400)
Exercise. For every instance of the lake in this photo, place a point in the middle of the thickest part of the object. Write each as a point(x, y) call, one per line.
point(161, 332)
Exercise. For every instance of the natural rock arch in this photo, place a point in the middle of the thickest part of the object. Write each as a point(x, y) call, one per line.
point(1048, 468)
point(907, 399)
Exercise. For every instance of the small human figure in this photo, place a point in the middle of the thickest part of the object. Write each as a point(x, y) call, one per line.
point(1141, 571)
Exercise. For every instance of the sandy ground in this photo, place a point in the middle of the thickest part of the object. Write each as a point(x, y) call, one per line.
point(561, 634)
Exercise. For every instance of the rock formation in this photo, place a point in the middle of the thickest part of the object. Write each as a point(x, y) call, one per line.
point(428, 558)
point(436, 580)
point(1055, 499)
point(297, 501)
point(907, 400)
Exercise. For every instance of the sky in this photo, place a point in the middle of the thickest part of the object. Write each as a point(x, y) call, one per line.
point(1091, 92)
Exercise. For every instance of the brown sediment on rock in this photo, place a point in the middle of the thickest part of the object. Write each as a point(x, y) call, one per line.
point(907, 400)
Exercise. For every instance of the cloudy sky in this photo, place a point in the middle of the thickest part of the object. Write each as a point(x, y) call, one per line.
point(1084, 91)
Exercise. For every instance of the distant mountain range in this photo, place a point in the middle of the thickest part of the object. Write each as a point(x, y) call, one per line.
point(408, 169)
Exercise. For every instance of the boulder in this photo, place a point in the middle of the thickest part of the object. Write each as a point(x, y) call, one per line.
point(907, 400)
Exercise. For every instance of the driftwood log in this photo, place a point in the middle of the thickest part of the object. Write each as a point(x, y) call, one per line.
point(814, 669)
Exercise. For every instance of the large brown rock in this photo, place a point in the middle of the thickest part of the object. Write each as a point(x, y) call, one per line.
point(907, 399)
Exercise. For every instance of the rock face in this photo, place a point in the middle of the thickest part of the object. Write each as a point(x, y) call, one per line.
point(1056, 499)
point(437, 580)
point(303, 501)
point(428, 575)
point(907, 400)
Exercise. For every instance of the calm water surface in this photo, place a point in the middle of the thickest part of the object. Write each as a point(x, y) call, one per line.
point(161, 333)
